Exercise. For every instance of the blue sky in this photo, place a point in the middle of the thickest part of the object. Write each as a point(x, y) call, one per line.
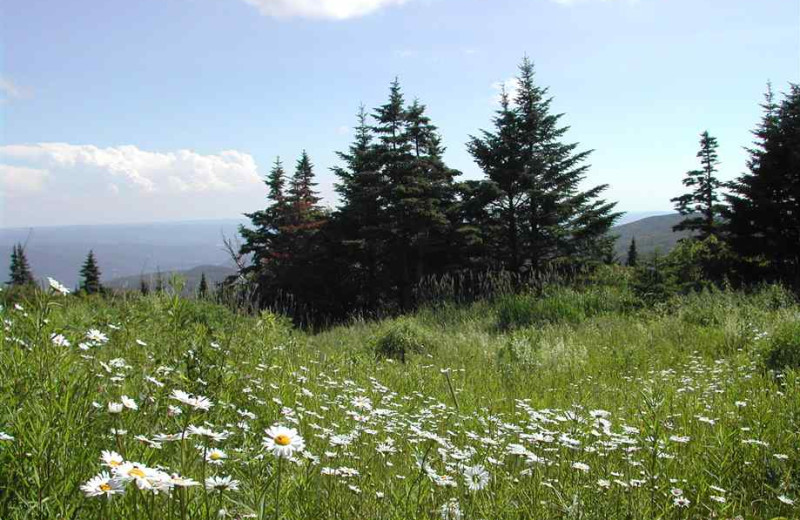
point(174, 109)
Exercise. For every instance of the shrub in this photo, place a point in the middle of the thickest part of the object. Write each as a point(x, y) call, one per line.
point(782, 351)
point(402, 337)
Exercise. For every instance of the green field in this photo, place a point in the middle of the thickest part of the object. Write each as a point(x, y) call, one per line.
point(573, 403)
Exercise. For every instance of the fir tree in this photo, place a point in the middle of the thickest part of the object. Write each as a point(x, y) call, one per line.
point(202, 289)
point(20, 271)
point(544, 218)
point(764, 204)
point(633, 255)
point(90, 275)
point(701, 205)
point(417, 191)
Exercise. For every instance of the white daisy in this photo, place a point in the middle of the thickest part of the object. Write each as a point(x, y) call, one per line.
point(102, 484)
point(282, 442)
point(198, 402)
point(476, 477)
point(225, 483)
point(57, 286)
point(216, 456)
point(129, 403)
point(112, 459)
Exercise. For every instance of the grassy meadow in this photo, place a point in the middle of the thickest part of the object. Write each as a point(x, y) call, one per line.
point(573, 403)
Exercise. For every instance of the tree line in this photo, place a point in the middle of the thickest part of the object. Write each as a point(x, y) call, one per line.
point(403, 216)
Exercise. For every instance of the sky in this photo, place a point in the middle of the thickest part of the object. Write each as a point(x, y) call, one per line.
point(154, 110)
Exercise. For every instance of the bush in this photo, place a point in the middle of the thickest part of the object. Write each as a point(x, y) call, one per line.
point(402, 337)
point(783, 348)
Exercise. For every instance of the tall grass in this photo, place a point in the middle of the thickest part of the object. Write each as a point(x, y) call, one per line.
point(567, 402)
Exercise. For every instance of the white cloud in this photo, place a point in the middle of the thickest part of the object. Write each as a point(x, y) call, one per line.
point(10, 90)
point(127, 168)
point(511, 87)
point(16, 180)
point(332, 9)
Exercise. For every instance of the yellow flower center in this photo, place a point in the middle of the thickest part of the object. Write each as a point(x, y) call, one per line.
point(105, 487)
point(136, 472)
point(283, 440)
point(215, 456)
point(114, 463)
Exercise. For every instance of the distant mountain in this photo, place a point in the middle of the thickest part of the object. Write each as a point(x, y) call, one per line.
point(633, 216)
point(651, 233)
point(214, 274)
point(121, 250)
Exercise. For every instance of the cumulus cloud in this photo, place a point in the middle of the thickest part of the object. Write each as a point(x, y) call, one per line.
point(331, 9)
point(29, 167)
point(20, 179)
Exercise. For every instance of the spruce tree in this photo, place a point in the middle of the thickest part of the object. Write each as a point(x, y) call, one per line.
point(701, 205)
point(543, 216)
point(418, 189)
point(265, 241)
point(764, 204)
point(20, 271)
point(90, 275)
point(633, 255)
point(202, 289)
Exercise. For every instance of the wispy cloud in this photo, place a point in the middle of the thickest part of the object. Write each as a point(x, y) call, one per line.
point(10, 90)
point(31, 167)
point(330, 9)
point(511, 87)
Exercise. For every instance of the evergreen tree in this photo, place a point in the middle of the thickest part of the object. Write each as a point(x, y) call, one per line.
point(359, 222)
point(202, 289)
point(417, 190)
point(764, 204)
point(20, 271)
point(543, 216)
point(144, 287)
point(266, 242)
point(90, 275)
point(633, 255)
point(701, 205)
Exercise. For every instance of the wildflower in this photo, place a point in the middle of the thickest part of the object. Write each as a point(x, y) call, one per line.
point(202, 431)
point(603, 483)
point(134, 471)
point(580, 466)
point(216, 456)
point(129, 403)
point(57, 286)
point(115, 407)
point(179, 481)
point(198, 402)
point(476, 477)
point(6, 437)
point(362, 402)
point(283, 442)
point(102, 484)
point(717, 498)
point(681, 501)
point(450, 510)
point(112, 459)
point(96, 336)
point(786, 500)
point(59, 340)
point(225, 483)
